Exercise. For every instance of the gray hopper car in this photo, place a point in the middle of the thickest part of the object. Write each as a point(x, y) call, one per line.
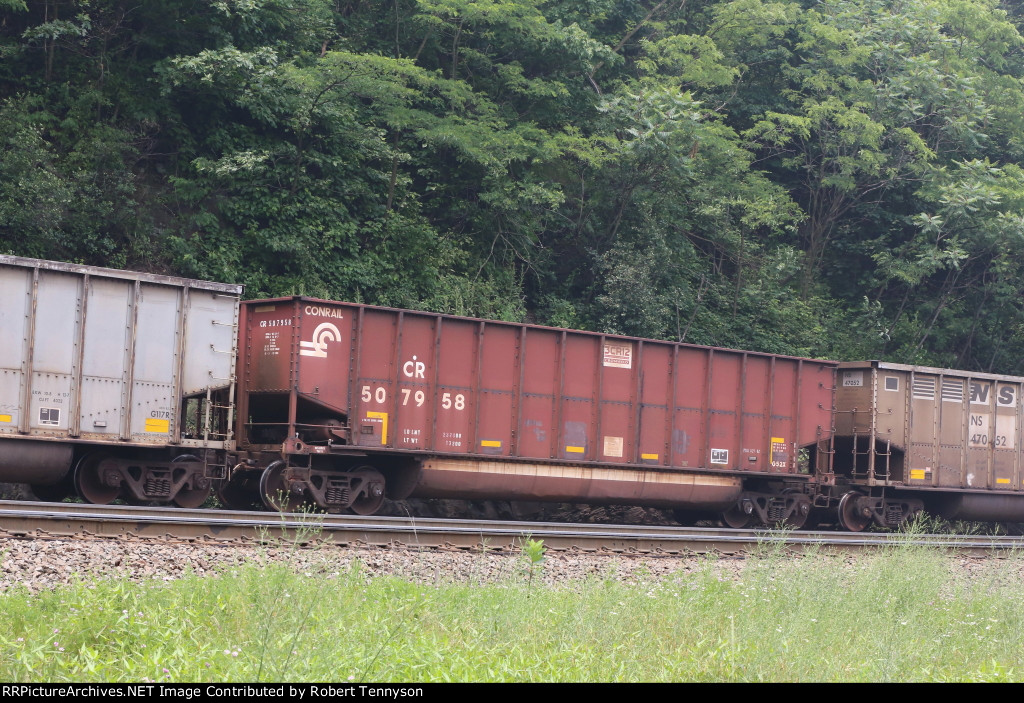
point(125, 377)
point(913, 437)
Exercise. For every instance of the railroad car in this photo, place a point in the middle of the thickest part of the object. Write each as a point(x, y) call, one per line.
point(149, 388)
point(909, 438)
point(120, 382)
point(340, 405)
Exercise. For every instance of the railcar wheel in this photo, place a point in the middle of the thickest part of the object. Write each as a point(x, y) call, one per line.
point(798, 518)
point(89, 481)
point(369, 490)
point(275, 490)
point(795, 521)
point(193, 497)
point(736, 518)
point(850, 518)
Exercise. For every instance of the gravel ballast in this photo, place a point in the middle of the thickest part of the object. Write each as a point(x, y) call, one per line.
point(44, 563)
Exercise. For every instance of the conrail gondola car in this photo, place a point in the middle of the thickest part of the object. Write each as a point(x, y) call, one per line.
point(342, 404)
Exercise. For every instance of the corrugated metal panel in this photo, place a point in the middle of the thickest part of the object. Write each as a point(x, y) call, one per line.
point(958, 429)
point(107, 355)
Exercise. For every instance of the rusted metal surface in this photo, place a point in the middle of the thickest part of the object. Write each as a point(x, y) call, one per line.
point(100, 356)
point(464, 478)
point(932, 431)
point(61, 520)
point(424, 384)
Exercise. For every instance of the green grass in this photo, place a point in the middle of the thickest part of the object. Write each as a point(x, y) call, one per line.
point(899, 614)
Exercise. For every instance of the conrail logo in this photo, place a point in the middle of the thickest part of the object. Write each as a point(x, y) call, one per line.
point(325, 332)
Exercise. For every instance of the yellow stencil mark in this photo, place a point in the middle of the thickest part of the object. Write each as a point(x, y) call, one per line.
point(778, 440)
point(154, 424)
point(1002, 480)
point(917, 474)
point(574, 450)
point(6, 418)
point(649, 456)
point(490, 443)
point(383, 425)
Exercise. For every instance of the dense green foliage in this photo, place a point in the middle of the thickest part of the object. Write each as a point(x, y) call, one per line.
point(838, 178)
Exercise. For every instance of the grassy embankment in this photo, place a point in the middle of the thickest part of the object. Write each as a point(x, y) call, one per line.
point(900, 614)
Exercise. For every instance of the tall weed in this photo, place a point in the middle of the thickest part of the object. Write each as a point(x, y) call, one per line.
point(902, 613)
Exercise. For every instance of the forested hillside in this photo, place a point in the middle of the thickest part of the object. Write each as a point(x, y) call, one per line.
point(835, 178)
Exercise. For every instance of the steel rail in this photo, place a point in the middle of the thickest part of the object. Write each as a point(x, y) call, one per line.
point(62, 520)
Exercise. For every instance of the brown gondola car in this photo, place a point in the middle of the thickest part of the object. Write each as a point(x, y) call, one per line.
point(913, 437)
point(341, 404)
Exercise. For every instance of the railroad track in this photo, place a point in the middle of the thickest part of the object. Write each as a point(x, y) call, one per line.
point(75, 520)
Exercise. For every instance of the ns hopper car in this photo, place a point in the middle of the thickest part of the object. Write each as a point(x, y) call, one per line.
point(909, 438)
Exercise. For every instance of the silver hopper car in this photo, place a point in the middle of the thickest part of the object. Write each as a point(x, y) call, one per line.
point(114, 383)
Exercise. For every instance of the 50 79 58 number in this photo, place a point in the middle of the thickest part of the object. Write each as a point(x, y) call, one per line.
point(379, 395)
